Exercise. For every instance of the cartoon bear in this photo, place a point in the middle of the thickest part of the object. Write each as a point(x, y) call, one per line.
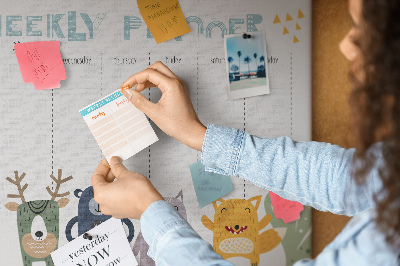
point(236, 230)
point(142, 247)
point(89, 215)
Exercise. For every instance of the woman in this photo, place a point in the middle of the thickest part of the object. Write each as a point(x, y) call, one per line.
point(363, 183)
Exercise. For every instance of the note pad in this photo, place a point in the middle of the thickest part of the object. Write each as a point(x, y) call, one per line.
point(118, 126)
point(209, 186)
point(41, 63)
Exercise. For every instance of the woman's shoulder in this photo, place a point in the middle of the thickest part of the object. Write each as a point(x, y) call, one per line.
point(362, 240)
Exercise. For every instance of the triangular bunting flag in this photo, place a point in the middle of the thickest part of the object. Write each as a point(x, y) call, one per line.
point(301, 15)
point(295, 40)
point(285, 31)
point(298, 26)
point(288, 17)
point(277, 19)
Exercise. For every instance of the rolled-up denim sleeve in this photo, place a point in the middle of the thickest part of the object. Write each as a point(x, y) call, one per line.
point(313, 173)
point(172, 240)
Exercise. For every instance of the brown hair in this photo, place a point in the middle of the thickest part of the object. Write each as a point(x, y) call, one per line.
point(375, 103)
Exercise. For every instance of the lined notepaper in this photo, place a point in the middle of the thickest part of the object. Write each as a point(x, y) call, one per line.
point(118, 126)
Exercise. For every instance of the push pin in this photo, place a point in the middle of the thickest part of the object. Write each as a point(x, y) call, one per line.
point(87, 236)
point(246, 36)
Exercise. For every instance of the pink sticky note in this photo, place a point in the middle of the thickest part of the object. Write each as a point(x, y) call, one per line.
point(41, 63)
point(286, 210)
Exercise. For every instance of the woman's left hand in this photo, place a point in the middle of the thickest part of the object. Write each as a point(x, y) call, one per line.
point(127, 197)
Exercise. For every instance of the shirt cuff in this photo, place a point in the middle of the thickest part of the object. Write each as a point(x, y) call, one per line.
point(158, 219)
point(222, 148)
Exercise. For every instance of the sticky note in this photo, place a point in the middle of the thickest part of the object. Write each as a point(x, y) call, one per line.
point(108, 246)
point(118, 126)
point(209, 186)
point(41, 63)
point(286, 210)
point(164, 18)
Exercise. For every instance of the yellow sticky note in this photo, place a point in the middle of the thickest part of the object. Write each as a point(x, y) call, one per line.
point(164, 18)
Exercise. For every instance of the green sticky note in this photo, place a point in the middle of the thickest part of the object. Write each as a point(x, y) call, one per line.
point(209, 186)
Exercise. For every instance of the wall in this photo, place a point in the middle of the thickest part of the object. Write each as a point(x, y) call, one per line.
point(331, 88)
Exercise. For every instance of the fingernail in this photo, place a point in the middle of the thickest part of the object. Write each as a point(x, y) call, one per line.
point(129, 93)
point(115, 160)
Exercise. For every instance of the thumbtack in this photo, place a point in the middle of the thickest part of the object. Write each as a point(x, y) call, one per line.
point(125, 88)
point(87, 236)
point(246, 36)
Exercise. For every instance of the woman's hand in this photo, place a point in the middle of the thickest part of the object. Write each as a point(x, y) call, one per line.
point(127, 197)
point(174, 113)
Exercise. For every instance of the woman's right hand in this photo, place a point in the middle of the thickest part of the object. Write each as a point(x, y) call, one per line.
point(174, 113)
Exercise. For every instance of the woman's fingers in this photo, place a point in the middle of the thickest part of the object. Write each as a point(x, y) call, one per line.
point(141, 102)
point(100, 175)
point(142, 86)
point(160, 67)
point(159, 80)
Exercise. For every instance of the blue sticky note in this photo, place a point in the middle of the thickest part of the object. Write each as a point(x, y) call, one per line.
point(209, 186)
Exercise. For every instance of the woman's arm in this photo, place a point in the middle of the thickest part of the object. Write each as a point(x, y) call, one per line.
point(172, 240)
point(315, 174)
point(312, 173)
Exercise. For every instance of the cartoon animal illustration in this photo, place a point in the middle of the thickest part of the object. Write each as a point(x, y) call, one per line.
point(236, 229)
point(38, 221)
point(141, 246)
point(298, 246)
point(89, 215)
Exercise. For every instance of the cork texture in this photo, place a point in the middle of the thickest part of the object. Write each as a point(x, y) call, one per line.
point(331, 89)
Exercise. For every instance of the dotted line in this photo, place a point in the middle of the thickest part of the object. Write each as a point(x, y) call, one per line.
point(244, 129)
point(149, 100)
point(197, 95)
point(52, 135)
point(101, 87)
point(52, 130)
point(291, 95)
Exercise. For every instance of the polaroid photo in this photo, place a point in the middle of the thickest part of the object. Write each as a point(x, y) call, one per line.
point(246, 64)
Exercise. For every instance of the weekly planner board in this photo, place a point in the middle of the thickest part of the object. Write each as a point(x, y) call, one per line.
point(48, 152)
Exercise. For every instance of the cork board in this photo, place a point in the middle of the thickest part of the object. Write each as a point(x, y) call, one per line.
point(331, 89)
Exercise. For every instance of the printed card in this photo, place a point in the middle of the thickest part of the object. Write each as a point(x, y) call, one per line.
point(118, 126)
point(209, 186)
point(108, 246)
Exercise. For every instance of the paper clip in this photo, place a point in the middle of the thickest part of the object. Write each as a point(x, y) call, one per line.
point(246, 36)
point(88, 236)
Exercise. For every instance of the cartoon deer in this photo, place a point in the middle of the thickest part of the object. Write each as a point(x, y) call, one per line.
point(38, 221)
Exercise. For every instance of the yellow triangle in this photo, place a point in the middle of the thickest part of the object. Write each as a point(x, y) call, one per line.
point(298, 26)
point(301, 15)
point(285, 31)
point(295, 39)
point(288, 17)
point(277, 19)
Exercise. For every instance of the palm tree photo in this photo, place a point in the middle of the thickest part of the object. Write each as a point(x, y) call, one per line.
point(255, 60)
point(230, 60)
point(262, 59)
point(247, 60)
point(239, 53)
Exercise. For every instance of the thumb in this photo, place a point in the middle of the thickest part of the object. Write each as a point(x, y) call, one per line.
point(139, 101)
point(117, 168)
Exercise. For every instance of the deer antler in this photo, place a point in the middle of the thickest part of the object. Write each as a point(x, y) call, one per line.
point(17, 182)
point(58, 181)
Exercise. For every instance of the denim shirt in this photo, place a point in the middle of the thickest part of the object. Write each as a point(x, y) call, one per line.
point(312, 173)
